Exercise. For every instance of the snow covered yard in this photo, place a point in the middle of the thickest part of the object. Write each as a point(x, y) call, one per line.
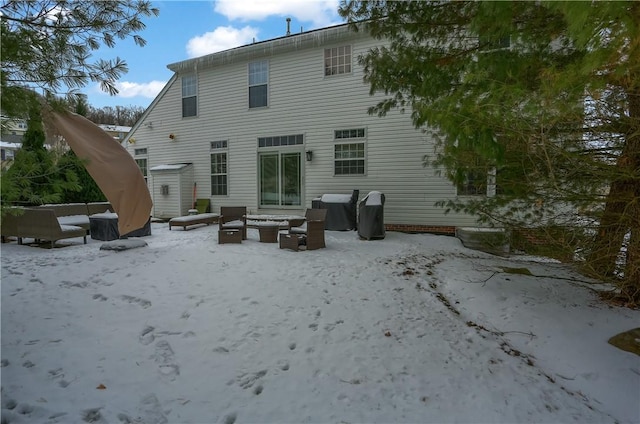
point(412, 328)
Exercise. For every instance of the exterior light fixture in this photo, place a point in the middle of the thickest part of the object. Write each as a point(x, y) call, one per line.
point(309, 155)
point(172, 137)
point(132, 140)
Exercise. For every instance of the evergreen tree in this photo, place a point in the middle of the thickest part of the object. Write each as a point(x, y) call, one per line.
point(543, 98)
point(47, 45)
point(34, 178)
point(89, 190)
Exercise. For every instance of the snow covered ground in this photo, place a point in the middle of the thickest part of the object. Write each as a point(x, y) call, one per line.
point(412, 328)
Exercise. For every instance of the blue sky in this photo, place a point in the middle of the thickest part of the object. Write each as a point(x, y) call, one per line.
point(186, 29)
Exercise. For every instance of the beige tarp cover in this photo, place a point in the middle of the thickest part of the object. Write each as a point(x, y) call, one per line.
point(111, 167)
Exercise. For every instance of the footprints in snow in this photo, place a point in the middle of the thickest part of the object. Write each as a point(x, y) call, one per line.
point(165, 359)
point(247, 380)
point(163, 355)
point(149, 411)
point(147, 336)
point(144, 303)
point(327, 327)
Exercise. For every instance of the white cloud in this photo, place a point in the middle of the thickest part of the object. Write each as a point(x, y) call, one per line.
point(319, 12)
point(133, 89)
point(222, 38)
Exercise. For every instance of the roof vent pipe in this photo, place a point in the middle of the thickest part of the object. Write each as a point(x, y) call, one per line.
point(288, 26)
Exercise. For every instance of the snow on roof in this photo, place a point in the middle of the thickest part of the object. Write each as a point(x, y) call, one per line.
point(6, 145)
point(118, 128)
point(169, 167)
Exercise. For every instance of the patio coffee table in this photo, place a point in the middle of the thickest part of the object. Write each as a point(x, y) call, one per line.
point(269, 232)
point(104, 226)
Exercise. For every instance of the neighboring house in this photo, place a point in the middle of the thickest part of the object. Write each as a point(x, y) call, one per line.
point(13, 126)
point(118, 132)
point(274, 124)
point(7, 152)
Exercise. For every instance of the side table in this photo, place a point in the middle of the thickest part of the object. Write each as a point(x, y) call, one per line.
point(104, 226)
point(269, 232)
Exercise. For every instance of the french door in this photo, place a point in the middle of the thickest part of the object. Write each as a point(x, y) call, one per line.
point(280, 175)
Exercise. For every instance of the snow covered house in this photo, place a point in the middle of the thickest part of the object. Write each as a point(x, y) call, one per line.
point(274, 124)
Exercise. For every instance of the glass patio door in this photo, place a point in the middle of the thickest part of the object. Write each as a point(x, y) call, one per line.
point(280, 176)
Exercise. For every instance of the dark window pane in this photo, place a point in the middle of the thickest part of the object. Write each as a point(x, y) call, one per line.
point(258, 96)
point(189, 107)
point(218, 185)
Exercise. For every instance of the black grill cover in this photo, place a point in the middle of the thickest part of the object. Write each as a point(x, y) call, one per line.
point(341, 216)
point(371, 216)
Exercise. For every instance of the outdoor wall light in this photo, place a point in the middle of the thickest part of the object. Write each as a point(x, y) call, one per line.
point(132, 140)
point(309, 155)
point(172, 137)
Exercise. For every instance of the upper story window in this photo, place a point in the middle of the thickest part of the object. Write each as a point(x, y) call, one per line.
point(349, 156)
point(337, 60)
point(494, 43)
point(258, 83)
point(189, 96)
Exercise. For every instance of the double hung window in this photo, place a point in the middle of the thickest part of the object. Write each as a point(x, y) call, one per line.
point(189, 96)
point(349, 152)
point(258, 84)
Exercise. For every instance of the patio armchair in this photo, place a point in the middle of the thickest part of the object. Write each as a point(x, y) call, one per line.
point(311, 231)
point(233, 218)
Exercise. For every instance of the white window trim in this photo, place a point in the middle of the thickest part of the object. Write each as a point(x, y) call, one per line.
point(182, 96)
point(351, 140)
point(491, 186)
point(336, 75)
point(217, 150)
point(145, 156)
point(267, 83)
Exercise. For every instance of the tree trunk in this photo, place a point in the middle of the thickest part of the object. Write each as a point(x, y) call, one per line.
point(622, 212)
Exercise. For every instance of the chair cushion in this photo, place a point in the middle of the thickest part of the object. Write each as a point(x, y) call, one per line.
point(232, 224)
point(298, 230)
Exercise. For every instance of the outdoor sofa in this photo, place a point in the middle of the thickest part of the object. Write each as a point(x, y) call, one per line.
point(77, 213)
point(39, 224)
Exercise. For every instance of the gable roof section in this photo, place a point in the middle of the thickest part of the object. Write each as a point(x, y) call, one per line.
point(149, 109)
point(287, 43)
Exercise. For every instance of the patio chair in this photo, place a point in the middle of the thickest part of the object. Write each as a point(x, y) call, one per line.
point(311, 231)
point(233, 218)
point(203, 205)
